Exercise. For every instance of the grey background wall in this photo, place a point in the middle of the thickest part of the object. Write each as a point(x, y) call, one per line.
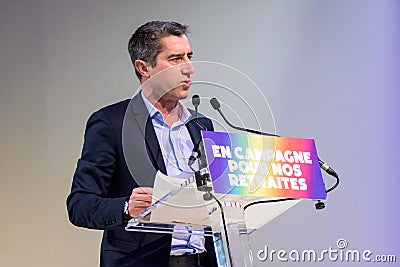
point(329, 70)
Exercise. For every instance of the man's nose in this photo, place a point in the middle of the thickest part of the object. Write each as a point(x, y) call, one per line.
point(187, 68)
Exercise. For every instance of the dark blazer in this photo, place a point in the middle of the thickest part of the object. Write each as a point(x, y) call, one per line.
point(121, 152)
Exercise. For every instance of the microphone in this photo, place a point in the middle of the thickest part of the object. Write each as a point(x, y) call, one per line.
point(196, 103)
point(217, 106)
point(194, 155)
point(328, 169)
point(198, 149)
point(198, 153)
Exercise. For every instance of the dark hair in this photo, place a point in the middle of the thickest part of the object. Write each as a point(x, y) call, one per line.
point(144, 43)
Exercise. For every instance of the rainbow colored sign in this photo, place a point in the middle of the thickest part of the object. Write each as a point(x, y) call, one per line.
point(249, 164)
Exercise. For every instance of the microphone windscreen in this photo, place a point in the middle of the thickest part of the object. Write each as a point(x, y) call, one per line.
point(195, 100)
point(215, 103)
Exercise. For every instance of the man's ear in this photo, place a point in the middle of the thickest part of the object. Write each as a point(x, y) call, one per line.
point(142, 67)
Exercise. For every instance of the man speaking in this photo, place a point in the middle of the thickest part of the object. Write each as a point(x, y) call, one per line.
point(128, 142)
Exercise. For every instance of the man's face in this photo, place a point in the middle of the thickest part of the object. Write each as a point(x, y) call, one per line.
point(171, 77)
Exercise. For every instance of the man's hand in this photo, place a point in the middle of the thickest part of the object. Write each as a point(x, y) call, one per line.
point(139, 200)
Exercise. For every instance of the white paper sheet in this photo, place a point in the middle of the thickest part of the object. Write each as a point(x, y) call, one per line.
point(188, 206)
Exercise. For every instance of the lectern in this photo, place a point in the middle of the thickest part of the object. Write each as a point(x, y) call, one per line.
point(210, 214)
point(242, 169)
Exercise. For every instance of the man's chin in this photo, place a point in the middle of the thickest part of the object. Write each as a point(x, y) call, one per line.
point(184, 94)
point(177, 93)
point(183, 91)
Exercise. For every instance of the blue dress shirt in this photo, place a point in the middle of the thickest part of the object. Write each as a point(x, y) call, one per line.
point(176, 147)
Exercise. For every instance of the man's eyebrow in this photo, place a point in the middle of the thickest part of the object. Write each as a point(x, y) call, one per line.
point(180, 55)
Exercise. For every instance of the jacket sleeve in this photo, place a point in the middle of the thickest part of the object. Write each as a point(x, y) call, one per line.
point(88, 203)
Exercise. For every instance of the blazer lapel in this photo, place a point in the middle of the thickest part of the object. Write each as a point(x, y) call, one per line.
point(194, 131)
point(141, 116)
point(146, 127)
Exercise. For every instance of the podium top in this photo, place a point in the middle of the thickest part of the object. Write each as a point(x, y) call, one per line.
point(178, 201)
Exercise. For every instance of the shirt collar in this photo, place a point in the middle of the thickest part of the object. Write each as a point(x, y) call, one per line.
point(184, 113)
